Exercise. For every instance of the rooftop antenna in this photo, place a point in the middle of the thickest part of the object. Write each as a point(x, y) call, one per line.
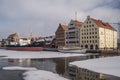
point(76, 15)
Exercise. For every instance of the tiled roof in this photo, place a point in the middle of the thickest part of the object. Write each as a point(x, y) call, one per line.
point(103, 24)
point(63, 26)
point(12, 35)
point(78, 23)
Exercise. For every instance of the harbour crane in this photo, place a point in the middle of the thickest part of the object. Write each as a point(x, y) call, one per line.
point(118, 30)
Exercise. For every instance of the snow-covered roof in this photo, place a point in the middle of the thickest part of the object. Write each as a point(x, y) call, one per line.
point(109, 65)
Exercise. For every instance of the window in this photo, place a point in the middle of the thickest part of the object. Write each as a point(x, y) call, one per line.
point(90, 41)
point(90, 32)
point(96, 41)
point(89, 25)
point(101, 33)
point(81, 45)
point(87, 41)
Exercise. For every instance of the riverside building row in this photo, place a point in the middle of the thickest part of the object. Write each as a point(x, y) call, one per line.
point(90, 34)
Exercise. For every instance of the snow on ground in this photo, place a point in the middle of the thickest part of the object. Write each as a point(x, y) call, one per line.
point(109, 65)
point(18, 68)
point(27, 54)
point(42, 75)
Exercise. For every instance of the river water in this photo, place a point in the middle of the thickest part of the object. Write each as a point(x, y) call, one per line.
point(56, 65)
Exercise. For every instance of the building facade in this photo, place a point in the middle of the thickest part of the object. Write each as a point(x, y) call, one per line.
point(73, 34)
point(60, 35)
point(96, 34)
point(13, 39)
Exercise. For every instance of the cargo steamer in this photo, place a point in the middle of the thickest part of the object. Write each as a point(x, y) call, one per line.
point(36, 46)
point(25, 48)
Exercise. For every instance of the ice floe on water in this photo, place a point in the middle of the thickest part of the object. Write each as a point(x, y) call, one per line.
point(109, 65)
point(34, 74)
point(18, 68)
point(42, 75)
point(27, 54)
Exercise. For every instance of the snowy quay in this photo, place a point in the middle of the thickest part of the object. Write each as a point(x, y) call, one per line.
point(26, 65)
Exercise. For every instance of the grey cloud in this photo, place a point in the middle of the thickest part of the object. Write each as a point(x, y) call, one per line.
point(44, 16)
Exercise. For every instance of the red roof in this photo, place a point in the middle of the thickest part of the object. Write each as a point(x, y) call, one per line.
point(78, 23)
point(103, 24)
point(63, 26)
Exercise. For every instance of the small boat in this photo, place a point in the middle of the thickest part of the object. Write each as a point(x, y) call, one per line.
point(71, 50)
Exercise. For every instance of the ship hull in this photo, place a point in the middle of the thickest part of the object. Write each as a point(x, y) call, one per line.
point(25, 48)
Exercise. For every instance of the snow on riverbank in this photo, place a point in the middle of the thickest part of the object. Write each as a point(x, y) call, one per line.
point(42, 75)
point(109, 65)
point(18, 68)
point(26, 54)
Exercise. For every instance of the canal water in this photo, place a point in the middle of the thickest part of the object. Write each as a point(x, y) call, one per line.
point(56, 65)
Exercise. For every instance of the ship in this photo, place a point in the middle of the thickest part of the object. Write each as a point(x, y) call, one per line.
point(72, 50)
point(35, 46)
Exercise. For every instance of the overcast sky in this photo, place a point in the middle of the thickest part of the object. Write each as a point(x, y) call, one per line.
point(42, 17)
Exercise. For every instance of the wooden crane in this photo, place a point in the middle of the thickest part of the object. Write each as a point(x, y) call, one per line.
point(118, 28)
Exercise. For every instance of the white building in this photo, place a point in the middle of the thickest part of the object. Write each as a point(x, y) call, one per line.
point(73, 34)
point(96, 34)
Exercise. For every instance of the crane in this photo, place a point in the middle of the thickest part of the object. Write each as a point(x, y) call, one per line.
point(118, 30)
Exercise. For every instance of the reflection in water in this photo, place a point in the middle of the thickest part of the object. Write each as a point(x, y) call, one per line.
point(56, 65)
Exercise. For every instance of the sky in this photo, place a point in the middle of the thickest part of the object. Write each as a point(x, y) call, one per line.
point(42, 17)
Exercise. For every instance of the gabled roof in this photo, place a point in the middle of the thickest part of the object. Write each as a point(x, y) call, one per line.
point(103, 24)
point(78, 23)
point(12, 35)
point(63, 26)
